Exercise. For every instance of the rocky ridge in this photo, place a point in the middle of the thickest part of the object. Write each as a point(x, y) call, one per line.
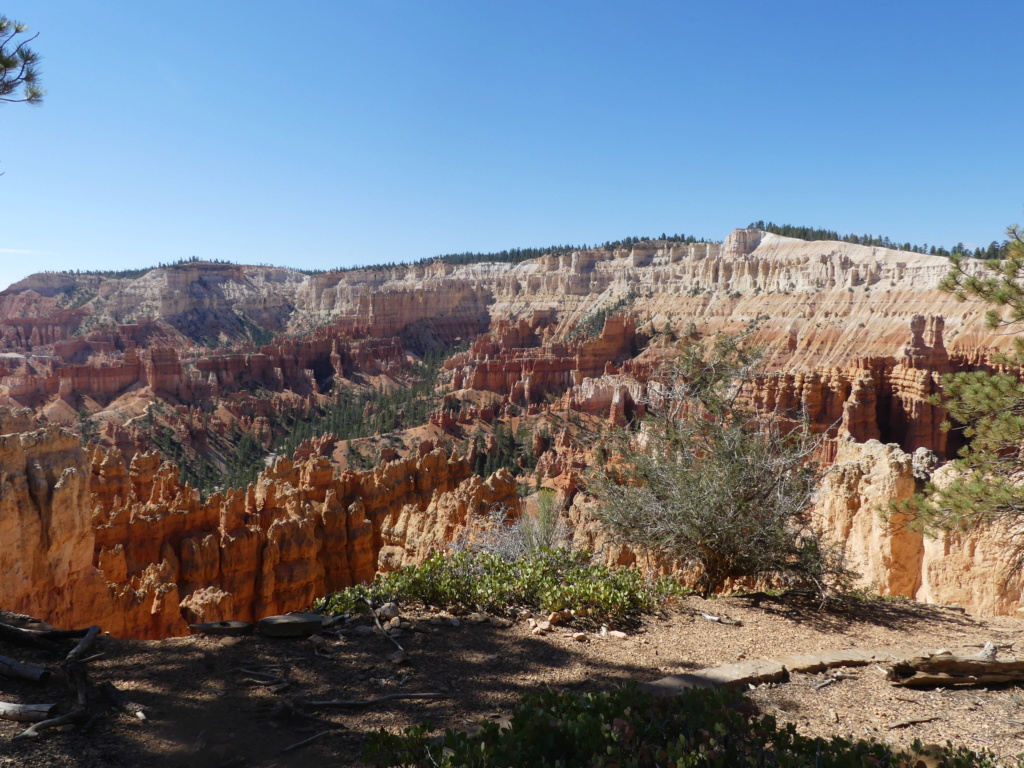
point(857, 338)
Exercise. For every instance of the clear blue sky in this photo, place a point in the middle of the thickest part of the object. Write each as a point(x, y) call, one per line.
point(336, 133)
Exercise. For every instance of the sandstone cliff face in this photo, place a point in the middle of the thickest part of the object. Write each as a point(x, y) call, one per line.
point(837, 327)
point(297, 534)
point(44, 515)
point(827, 302)
point(966, 569)
point(128, 547)
point(870, 398)
point(312, 365)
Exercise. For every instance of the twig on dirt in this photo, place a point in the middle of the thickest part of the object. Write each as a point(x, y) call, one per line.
point(304, 742)
point(824, 683)
point(371, 702)
point(911, 721)
point(381, 626)
point(257, 673)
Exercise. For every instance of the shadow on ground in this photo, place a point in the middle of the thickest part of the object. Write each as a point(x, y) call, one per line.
point(206, 709)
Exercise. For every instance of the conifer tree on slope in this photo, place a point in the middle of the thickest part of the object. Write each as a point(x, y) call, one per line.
point(989, 408)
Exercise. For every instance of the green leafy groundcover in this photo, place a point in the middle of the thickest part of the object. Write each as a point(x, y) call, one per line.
point(553, 580)
point(628, 727)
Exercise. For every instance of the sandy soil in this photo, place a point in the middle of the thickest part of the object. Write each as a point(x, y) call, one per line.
point(203, 710)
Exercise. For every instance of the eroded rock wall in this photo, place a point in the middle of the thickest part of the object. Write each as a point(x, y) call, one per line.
point(893, 557)
point(93, 539)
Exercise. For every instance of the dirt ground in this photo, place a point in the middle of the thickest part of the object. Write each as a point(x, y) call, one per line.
point(204, 709)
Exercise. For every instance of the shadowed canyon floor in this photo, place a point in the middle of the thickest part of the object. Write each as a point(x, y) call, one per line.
point(204, 709)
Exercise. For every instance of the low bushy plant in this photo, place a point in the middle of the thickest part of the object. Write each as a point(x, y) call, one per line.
point(629, 728)
point(552, 580)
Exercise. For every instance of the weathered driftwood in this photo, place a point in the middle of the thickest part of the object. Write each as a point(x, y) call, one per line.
point(37, 637)
point(77, 652)
point(25, 713)
point(19, 669)
point(910, 721)
point(25, 637)
point(946, 669)
point(77, 681)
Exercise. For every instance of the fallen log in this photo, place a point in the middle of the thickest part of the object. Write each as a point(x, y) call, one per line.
point(25, 637)
point(946, 669)
point(304, 742)
point(25, 713)
point(22, 671)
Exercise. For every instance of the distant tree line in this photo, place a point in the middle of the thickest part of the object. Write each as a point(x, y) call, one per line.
point(516, 255)
point(131, 274)
point(508, 256)
point(511, 255)
point(995, 250)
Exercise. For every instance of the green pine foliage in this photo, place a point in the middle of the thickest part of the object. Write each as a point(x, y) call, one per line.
point(514, 452)
point(995, 250)
point(19, 64)
point(988, 408)
point(235, 459)
point(629, 728)
point(361, 413)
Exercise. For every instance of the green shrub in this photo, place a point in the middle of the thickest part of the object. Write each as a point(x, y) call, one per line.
point(716, 486)
point(627, 727)
point(551, 581)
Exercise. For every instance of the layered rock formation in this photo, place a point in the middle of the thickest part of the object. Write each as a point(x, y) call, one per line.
point(826, 302)
point(857, 338)
point(128, 546)
point(968, 569)
point(308, 366)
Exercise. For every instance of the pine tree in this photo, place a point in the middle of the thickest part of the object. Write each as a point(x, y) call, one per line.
point(989, 408)
point(19, 70)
